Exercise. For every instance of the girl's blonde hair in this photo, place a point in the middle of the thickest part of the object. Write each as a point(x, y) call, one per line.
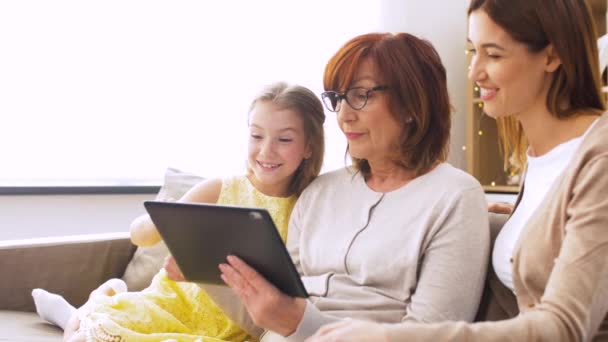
point(308, 106)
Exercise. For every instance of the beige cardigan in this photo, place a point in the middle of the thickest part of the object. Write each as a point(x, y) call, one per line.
point(560, 263)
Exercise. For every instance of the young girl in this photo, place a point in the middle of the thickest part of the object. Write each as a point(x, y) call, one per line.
point(537, 61)
point(286, 146)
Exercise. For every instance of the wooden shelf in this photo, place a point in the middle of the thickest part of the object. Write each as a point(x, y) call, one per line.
point(509, 189)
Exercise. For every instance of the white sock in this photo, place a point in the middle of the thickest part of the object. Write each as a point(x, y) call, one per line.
point(52, 308)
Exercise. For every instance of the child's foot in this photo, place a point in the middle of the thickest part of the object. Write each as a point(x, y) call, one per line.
point(52, 308)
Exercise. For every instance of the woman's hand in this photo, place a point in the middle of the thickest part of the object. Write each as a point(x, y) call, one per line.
point(173, 271)
point(349, 330)
point(268, 307)
point(500, 208)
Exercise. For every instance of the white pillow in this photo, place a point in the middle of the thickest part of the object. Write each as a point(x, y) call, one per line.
point(147, 261)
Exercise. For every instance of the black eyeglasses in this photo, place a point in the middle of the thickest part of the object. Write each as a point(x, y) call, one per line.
point(355, 97)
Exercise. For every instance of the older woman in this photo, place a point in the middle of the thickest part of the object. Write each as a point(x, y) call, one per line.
point(398, 236)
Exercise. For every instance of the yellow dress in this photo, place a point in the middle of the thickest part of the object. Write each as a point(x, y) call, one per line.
point(177, 311)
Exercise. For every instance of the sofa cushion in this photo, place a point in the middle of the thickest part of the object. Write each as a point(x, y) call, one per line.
point(71, 266)
point(147, 261)
point(177, 183)
point(27, 326)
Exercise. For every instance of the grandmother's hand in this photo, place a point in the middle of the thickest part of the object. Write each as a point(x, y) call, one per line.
point(268, 307)
point(350, 330)
point(173, 271)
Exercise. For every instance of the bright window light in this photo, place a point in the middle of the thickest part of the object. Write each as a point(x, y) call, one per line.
point(115, 91)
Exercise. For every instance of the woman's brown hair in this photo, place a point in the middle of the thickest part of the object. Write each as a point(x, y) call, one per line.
point(568, 26)
point(310, 109)
point(417, 89)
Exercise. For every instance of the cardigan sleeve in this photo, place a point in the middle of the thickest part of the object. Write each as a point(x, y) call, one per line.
point(312, 320)
point(575, 300)
point(453, 262)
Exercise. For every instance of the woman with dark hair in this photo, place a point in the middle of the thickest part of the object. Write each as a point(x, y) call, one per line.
point(399, 236)
point(536, 62)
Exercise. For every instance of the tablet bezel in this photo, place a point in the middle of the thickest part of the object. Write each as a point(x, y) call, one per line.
point(201, 236)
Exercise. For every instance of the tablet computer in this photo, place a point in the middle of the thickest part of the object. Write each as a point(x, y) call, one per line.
point(201, 236)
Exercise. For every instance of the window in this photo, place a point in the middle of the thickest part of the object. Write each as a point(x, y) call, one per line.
point(113, 92)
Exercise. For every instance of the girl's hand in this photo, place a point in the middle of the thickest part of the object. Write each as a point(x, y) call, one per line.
point(500, 208)
point(349, 330)
point(268, 307)
point(173, 271)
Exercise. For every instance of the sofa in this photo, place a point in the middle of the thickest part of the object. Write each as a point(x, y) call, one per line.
point(73, 266)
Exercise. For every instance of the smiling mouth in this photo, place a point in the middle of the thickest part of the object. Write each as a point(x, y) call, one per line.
point(268, 166)
point(487, 94)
